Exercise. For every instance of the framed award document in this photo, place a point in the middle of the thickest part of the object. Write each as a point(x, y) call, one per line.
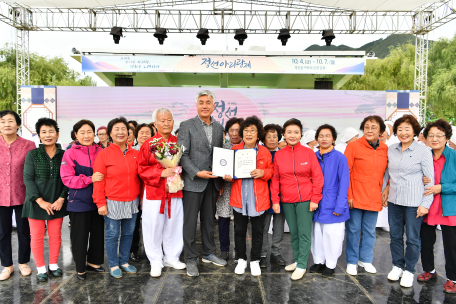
point(236, 163)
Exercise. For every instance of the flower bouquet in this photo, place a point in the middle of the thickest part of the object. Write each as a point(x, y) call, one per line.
point(168, 154)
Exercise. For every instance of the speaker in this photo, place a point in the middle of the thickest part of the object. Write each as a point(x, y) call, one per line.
point(124, 82)
point(323, 85)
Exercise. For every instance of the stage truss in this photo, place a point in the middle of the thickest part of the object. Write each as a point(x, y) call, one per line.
point(297, 16)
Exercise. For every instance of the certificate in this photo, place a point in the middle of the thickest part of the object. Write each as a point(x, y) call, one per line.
point(235, 163)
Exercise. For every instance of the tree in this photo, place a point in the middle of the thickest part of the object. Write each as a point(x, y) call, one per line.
point(43, 71)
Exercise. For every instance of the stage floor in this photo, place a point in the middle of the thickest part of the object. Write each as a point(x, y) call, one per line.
point(220, 284)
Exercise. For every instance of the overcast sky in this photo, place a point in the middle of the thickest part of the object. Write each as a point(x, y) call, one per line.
point(60, 43)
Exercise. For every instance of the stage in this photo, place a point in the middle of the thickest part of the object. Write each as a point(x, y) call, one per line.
point(220, 284)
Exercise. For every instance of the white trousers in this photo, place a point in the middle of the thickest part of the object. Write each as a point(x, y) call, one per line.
point(160, 230)
point(327, 243)
point(382, 219)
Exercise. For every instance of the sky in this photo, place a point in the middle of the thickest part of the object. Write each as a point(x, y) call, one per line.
point(60, 43)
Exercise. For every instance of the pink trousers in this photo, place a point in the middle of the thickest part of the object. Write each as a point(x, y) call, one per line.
point(37, 232)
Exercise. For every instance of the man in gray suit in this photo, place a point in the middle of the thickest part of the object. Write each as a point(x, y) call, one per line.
point(199, 136)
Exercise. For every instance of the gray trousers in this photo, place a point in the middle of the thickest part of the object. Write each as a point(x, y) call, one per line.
point(278, 223)
point(203, 203)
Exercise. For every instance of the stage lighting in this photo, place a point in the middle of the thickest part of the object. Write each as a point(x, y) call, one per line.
point(116, 33)
point(371, 54)
point(284, 35)
point(328, 36)
point(160, 34)
point(203, 35)
point(75, 51)
point(240, 36)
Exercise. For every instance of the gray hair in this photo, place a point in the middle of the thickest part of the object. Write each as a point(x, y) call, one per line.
point(205, 93)
point(162, 111)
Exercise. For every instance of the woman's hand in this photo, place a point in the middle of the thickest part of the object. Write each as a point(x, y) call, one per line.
point(97, 177)
point(103, 210)
point(426, 180)
point(350, 203)
point(257, 173)
point(336, 214)
point(276, 208)
point(385, 195)
point(228, 178)
point(140, 204)
point(168, 173)
point(57, 205)
point(313, 207)
point(221, 191)
point(433, 190)
point(421, 211)
point(45, 205)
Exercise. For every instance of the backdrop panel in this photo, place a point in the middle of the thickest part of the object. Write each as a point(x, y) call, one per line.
point(313, 107)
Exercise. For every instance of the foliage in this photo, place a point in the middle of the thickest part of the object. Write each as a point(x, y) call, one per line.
point(43, 71)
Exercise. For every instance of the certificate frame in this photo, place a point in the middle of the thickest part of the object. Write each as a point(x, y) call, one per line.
point(236, 163)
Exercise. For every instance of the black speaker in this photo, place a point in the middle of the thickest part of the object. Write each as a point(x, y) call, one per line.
point(124, 82)
point(323, 85)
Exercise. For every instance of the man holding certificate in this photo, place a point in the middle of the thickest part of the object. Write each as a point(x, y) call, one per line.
point(198, 137)
point(250, 194)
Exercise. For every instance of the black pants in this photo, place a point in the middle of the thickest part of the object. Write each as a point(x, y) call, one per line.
point(428, 237)
point(204, 203)
point(136, 235)
point(84, 224)
point(23, 235)
point(240, 235)
point(224, 233)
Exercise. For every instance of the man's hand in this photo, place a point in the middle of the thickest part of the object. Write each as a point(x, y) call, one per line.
point(97, 177)
point(257, 173)
point(103, 210)
point(205, 175)
point(168, 173)
point(350, 203)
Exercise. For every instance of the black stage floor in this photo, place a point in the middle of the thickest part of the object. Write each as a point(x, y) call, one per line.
point(221, 285)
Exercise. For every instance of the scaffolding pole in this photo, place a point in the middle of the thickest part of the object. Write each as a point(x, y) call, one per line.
point(421, 63)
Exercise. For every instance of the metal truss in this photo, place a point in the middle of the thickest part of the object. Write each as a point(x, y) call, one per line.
point(421, 64)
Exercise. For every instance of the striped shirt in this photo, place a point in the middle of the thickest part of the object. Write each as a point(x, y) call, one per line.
point(405, 171)
point(208, 130)
point(122, 210)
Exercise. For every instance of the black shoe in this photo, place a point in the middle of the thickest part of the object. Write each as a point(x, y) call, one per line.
point(327, 272)
point(278, 260)
point(134, 257)
point(225, 255)
point(81, 277)
point(317, 268)
point(56, 273)
point(263, 262)
point(99, 269)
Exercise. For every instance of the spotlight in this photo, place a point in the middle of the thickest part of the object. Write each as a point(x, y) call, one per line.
point(240, 36)
point(116, 33)
point(75, 51)
point(203, 35)
point(328, 36)
point(284, 35)
point(160, 34)
point(371, 54)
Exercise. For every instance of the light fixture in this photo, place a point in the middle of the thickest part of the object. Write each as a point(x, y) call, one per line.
point(160, 34)
point(284, 35)
point(371, 54)
point(203, 35)
point(75, 51)
point(240, 36)
point(116, 33)
point(328, 36)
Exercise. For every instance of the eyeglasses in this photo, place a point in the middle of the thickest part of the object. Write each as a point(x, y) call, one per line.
point(439, 136)
point(233, 131)
point(102, 134)
point(250, 131)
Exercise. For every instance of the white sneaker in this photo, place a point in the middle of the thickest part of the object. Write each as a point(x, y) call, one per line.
point(241, 266)
point(176, 264)
point(387, 229)
point(156, 270)
point(395, 274)
point(255, 269)
point(352, 269)
point(368, 267)
point(407, 279)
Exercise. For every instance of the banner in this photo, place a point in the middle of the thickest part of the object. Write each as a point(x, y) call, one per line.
point(224, 64)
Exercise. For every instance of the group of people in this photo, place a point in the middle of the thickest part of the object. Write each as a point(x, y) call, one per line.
point(112, 188)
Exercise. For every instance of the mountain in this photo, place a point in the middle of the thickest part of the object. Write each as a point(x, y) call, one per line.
point(380, 47)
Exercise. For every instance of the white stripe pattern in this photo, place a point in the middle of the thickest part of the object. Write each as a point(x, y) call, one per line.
point(122, 210)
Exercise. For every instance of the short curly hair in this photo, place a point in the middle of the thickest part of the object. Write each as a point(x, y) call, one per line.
point(270, 128)
point(44, 121)
point(292, 122)
point(232, 121)
point(115, 121)
point(252, 121)
point(440, 124)
point(143, 125)
point(375, 118)
point(411, 120)
point(330, 128)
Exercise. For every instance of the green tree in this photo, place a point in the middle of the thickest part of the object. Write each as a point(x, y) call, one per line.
point(43, 71)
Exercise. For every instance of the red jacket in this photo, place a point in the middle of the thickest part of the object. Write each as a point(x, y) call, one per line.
point(121, 181)
point(264, 162)
point(150, 171)
point(293, 168)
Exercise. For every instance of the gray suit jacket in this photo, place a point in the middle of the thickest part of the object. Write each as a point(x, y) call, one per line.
point(198, 155)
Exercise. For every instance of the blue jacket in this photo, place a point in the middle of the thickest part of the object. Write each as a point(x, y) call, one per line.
point(335, 170)
point(448, 182)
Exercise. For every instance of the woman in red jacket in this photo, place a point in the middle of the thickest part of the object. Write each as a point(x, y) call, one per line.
point(163, 212)
point(250, 197)
point(117, 195)
point(294, 167)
